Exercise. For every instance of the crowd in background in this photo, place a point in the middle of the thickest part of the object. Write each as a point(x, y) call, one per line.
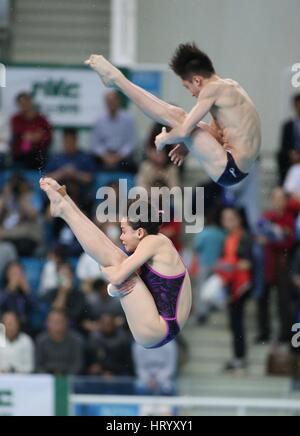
point(54, 304)
point(247, 255)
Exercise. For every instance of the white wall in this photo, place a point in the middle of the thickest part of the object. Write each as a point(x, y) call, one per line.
point(249, 41)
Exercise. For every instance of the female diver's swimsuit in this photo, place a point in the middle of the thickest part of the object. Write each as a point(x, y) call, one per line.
point(166, 291)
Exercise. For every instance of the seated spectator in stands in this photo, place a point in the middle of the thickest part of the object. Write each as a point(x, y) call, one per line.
point(4, 140)
point(73, 168)
point(76, 169)
point(19, 219)
point(208, 246)
point(17, 357)
point(109, 350)
point(59, 351)
point(156, 369)
point(157, 164)
point(49, 276)
point(292, 181)
point(100, 304)
point(66, 242)
point(31, 135)
point(114, 137)
point(235, 270)
point(8, 254)
point(15, 296)
point(66, 297)
point(277, 236)
point(65, 239)
point(290, 140)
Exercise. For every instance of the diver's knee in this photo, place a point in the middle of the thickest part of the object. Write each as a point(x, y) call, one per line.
point(148, 337)
point(179, 113)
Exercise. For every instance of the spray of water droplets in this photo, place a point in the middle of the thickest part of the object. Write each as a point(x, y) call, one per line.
point(41, 163)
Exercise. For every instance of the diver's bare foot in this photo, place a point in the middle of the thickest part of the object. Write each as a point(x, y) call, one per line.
point(55, 193)
point(107, 72)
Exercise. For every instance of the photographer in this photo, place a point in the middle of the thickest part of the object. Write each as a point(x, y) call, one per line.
point(19, 220)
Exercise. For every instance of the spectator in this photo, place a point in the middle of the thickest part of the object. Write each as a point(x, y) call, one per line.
point(109, 350)
point(208, 245)
point(8, 254)
point(18, 354)
point(49, 276)
point(66, 297)
point(101, 303)
point(235, 271)
point(66, 240)
point(290, 140)
point(16, 295)
point(19, 218)
point(114, 138)
point(156, 369)
point(73, 168)
point(278, 241)
point(59, 351)
point(157, 164)
point(4, 140)
point(31, 135)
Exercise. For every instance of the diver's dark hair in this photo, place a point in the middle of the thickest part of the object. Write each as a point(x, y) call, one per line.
point(142, 215)
point(189, 59)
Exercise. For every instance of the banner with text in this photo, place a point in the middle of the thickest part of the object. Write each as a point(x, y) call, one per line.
point(67, 96)
point(27, 395)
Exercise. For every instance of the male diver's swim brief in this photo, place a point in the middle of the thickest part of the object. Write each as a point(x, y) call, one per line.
point(232, 174)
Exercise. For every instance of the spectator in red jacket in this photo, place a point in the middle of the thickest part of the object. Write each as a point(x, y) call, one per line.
point(278, 240)
point(31, 135)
